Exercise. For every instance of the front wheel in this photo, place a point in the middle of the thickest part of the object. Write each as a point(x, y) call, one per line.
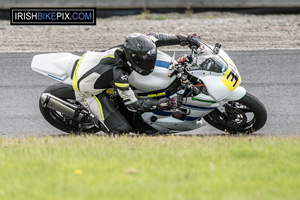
point(246, 115)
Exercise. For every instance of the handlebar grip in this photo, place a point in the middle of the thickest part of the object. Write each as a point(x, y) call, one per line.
point(197, 42)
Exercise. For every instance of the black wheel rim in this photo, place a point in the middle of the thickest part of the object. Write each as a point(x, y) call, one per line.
point(238, 117)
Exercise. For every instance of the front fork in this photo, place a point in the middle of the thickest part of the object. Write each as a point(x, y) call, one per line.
point(222, 109)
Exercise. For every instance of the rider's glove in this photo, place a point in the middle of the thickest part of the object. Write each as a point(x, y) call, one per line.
point(190, 40)
point(168, 104)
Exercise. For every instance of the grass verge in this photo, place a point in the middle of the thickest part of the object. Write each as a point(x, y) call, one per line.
point(149, 168)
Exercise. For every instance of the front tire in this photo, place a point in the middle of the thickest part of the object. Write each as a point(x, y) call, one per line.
point(57, 119)
point(246, 115)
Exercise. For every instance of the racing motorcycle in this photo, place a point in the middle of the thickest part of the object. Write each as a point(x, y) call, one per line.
point(207, 80)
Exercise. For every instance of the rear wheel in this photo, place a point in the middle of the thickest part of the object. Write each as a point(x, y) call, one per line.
point(59, 120)
point(246, 115)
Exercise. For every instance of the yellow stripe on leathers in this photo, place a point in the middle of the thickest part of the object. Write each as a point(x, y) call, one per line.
point(109, 56)
point(75, 78)
point(122, 84)
point(100, 108)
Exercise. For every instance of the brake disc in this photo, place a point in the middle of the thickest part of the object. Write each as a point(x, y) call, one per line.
point(233, 117)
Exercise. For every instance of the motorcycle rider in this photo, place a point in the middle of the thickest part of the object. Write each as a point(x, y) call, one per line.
point(95, 72)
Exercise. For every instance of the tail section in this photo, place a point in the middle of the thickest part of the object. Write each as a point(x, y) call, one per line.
point(58, 66)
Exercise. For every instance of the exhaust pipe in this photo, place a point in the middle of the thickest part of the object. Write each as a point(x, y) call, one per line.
point(68, 109)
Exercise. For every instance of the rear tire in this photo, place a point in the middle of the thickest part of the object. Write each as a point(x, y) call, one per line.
point(246, 115)
point(57, 119)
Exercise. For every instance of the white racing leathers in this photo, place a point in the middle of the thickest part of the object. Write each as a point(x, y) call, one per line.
point(93, 74)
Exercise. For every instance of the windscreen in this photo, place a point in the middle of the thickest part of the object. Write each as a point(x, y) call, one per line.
point(213, 64)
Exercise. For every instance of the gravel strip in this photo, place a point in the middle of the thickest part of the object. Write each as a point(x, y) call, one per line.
point(233, 31)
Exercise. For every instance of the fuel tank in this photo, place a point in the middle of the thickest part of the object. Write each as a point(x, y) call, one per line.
point(157, 80)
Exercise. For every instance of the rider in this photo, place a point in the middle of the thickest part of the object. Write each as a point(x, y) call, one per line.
point(95, 72)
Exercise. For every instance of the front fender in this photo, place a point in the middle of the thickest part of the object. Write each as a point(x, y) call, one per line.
point(236, 94)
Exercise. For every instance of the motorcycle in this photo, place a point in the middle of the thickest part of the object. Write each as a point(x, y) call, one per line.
point(207, 80)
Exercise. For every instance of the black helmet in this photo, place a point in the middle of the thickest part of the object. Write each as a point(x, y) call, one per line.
point(140, 52)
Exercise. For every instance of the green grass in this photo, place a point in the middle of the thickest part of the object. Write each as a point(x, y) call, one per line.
point(71, 168)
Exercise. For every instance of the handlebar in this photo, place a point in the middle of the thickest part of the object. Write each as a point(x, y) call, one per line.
point(198, 44)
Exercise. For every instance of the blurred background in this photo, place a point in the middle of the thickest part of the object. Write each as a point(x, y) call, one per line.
point(108, 8)
point(262, 37)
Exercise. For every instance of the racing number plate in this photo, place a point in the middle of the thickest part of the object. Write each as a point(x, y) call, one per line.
point(231, 78)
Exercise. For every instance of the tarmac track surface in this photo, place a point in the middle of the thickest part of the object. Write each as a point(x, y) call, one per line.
point(271, 75)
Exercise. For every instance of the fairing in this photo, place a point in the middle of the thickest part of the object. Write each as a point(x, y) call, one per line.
point(157, 80)
point(220, 81)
